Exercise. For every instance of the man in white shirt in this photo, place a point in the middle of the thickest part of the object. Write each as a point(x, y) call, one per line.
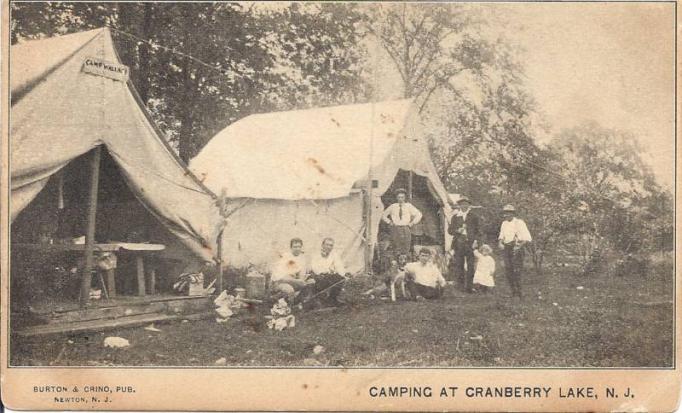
point(328, 271)
point(289, 274)
point(423, 278)
point(401, 216)
point(514, 235)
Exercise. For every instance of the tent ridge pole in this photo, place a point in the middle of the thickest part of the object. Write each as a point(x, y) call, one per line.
point(86, 279)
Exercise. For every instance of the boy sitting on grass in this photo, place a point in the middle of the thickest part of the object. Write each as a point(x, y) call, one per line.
point(423, 278)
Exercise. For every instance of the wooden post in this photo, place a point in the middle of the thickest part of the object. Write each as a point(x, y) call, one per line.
point(139, 264)
point(409, 186)
point(369, 250)
point(152, 280)
point(111, 282)
point(219, 241)
point(86, 280)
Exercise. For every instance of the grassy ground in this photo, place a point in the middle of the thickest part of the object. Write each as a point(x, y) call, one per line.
point(610, 321)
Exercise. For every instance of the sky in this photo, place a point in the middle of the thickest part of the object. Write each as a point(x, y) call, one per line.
point(612, 63)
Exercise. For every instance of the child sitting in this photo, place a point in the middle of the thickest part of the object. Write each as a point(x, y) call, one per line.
point(485, 268)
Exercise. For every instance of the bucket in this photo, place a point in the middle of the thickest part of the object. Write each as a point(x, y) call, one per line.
point(255, 285)
point(239, 293)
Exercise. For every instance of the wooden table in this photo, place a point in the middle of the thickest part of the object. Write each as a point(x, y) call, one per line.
point(138, 249)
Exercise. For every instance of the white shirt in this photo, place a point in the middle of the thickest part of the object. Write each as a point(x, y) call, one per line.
point(463, 214)
point(428, 275)
point(513, 230)
point(410, 215)
point(485, 268)
point(289, 265)
point(330, 264)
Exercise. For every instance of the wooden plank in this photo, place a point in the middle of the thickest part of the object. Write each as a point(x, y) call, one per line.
point(139, 265)
point(99, 325)
point(179, 306)
point(120, 301)
point(106, 313)
point(86, 279)
point(54, 248)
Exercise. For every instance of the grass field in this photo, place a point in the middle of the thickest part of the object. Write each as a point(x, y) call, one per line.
point(564, 321)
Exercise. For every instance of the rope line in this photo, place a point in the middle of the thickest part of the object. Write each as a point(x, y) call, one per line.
point(223, 71)
point(174, 51)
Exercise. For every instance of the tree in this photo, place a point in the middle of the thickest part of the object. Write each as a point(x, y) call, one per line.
point(200, 66)
point(467, 85)
point(611, 196)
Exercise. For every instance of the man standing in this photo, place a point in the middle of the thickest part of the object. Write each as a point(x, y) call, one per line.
point(514, 235)
point(289, 274)
point(423, 278)
point(465, 229)
point(328, 271)
point(401, 216)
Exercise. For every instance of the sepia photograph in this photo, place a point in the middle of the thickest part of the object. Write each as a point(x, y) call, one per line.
point(340, 185)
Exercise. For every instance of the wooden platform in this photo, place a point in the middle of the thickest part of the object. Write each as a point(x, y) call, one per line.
point(107, 314)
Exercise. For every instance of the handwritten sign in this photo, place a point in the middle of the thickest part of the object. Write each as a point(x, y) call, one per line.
point(99, 67)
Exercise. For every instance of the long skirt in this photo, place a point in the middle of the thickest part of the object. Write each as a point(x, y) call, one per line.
point(401, 240)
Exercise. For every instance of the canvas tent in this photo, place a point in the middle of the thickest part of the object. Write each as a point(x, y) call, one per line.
point(60, 112)
point(308, 174)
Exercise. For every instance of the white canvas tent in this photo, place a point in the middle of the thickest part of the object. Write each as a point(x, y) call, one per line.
point(307, 174)
point(59, 113)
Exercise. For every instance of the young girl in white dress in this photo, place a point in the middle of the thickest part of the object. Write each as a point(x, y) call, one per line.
point(485, 268)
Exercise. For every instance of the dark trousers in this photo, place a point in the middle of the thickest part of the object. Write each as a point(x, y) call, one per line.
point(513, 266)
point(416, 289)
point(401, 240)
point(464, 253)
point(326, 280)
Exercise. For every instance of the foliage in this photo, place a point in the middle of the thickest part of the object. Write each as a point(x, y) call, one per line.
point(587, 191)
point(245, 59)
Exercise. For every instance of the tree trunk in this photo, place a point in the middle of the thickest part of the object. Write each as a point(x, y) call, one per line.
point(187, 107)
point(186, 120)
point(143, 84)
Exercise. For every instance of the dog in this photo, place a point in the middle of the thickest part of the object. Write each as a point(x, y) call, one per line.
point(395, 276)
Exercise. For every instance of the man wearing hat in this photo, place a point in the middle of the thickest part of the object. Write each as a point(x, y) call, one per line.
point(514, 235)
point(465, 229)
point(401, 216)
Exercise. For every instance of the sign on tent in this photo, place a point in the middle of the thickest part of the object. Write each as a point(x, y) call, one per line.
point(106, 69)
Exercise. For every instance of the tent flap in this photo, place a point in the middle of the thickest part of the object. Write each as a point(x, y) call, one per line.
point(74, 112)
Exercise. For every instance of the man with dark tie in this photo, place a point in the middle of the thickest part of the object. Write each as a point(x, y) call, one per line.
point(401, 216)
point(465, 229)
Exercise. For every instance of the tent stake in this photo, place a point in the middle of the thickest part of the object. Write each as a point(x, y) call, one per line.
point(86, 280)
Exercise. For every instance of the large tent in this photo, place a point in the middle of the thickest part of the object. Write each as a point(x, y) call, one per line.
point(312, 174)
point(61, 111)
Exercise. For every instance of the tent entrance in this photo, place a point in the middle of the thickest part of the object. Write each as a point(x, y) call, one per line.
point(429, 232)
point(49, 260)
